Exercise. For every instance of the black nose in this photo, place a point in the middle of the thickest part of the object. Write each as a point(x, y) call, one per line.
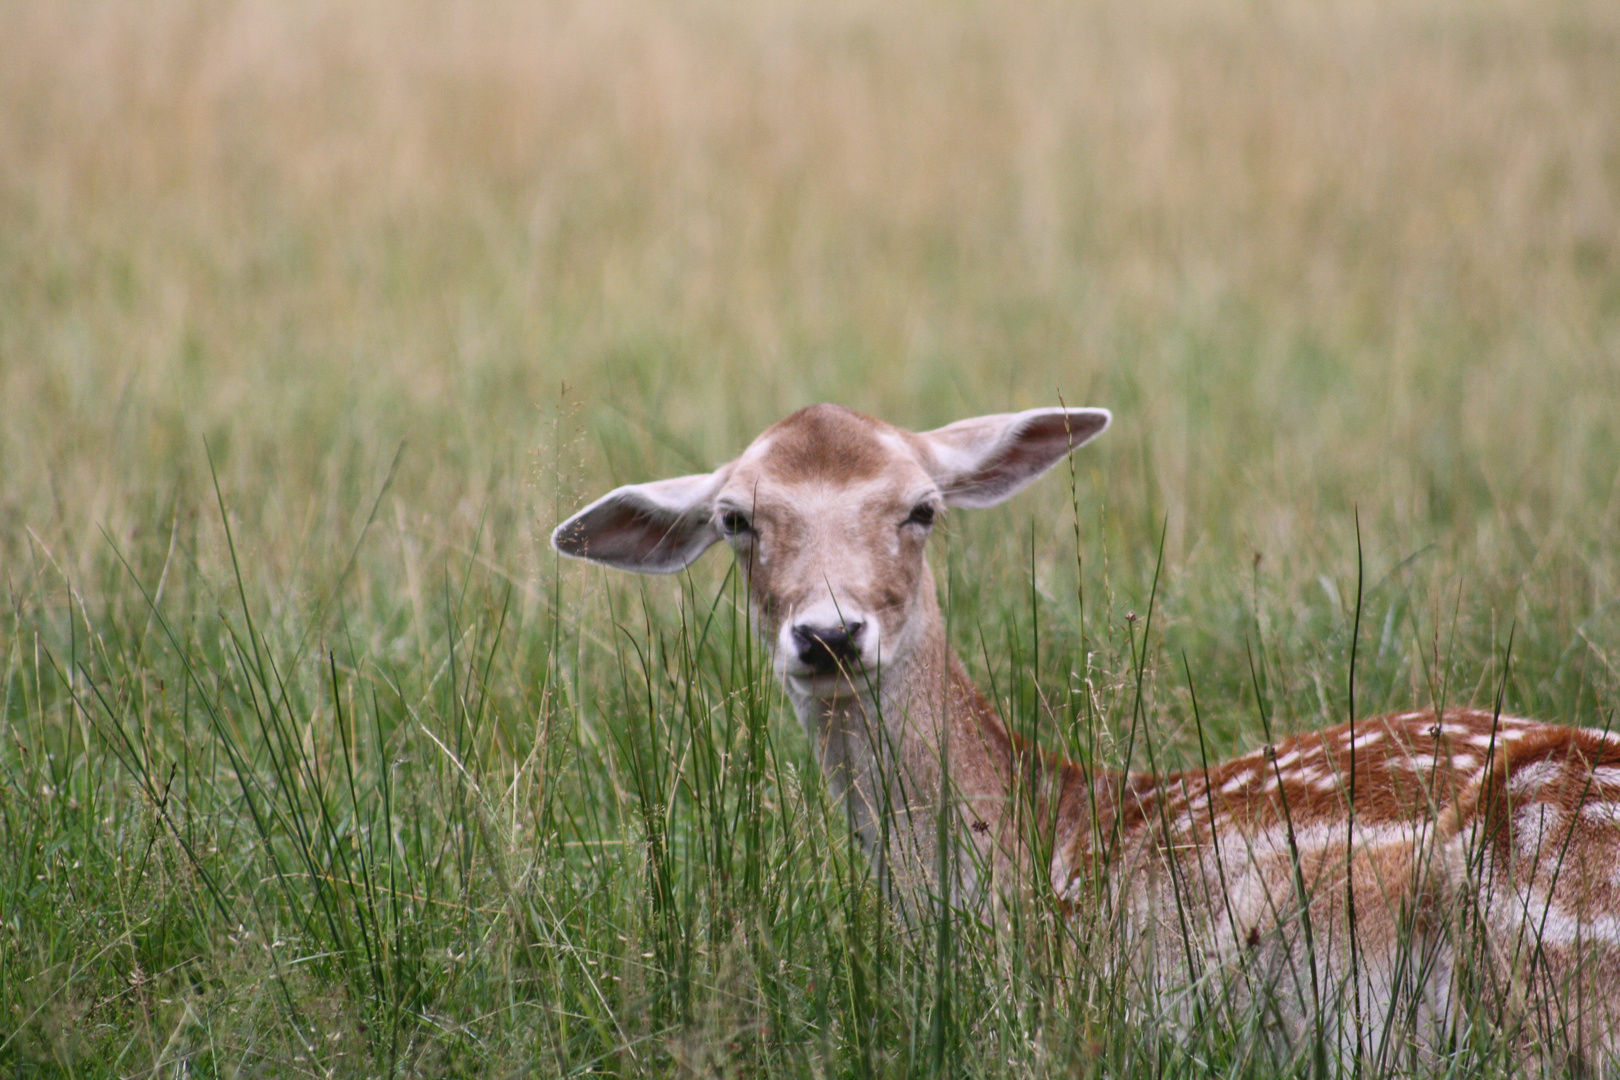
point(826, 649)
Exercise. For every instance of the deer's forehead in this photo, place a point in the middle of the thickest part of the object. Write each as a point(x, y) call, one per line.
point(830, 445)
point(826, 462)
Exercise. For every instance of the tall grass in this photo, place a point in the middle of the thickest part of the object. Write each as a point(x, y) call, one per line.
point(314, 318)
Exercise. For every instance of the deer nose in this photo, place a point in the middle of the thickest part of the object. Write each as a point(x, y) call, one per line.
point(827, 649)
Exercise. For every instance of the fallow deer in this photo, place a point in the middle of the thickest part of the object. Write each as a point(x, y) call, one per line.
point(1406, 873)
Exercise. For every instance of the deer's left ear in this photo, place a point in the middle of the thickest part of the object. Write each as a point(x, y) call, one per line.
point(656, 528)
point(988, 459)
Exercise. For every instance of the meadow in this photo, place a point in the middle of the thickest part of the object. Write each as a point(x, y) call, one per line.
point(316, 317)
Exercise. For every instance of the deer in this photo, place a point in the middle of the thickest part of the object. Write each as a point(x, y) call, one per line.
point(1395, 881)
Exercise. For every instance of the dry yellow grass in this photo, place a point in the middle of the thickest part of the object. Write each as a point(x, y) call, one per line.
point(239, 215)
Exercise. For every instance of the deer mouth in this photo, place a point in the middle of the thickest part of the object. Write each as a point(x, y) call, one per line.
point(840, 683)
point(823, 677)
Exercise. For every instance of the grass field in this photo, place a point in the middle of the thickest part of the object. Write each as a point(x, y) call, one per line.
point(315, 318)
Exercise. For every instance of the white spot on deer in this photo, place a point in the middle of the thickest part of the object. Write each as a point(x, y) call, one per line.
point(1485, 741)
point(1606, 736)
point(1547, 923)
point(1331, 836)
point(1532, 777)
point(1464, 762)
point(1411, 716)
point(1602, 813)
point(1238, 782)
point(1288, 759)
point(1606, 775)
point(1544, 922)
point(1534, 826)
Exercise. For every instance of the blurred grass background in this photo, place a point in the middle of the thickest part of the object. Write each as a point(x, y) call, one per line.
point(1326, 260)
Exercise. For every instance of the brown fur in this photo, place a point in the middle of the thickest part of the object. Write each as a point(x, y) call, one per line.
point(1487, 846)
point(825, 443)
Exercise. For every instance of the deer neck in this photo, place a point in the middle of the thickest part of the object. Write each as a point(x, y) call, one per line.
point(916, 755)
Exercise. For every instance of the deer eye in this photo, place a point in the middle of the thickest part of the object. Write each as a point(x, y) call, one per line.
point(735, 523)
point(922, 515)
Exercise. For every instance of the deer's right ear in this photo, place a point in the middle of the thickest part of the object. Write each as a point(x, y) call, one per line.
point(656, 528)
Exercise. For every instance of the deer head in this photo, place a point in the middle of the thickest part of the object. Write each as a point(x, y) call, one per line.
point(828, 513)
